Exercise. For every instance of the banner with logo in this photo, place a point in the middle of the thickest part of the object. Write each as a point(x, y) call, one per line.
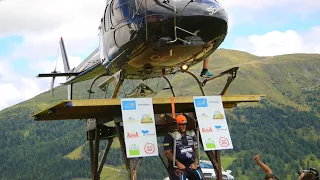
point(139, 127)
point(212, 123)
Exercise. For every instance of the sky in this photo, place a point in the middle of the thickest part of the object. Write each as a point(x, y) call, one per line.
point(30, 32)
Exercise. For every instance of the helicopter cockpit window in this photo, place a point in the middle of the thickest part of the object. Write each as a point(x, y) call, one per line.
point(120, 11)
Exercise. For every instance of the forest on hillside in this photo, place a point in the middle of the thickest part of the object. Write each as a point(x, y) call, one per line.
point(284, 128)
point(287, 140)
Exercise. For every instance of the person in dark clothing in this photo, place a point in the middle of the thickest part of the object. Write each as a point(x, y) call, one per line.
point(186, 160)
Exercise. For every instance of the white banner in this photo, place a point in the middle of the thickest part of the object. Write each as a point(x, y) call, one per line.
point(212, 123)
point(139, 127)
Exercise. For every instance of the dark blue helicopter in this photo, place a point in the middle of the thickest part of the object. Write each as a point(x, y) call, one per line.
point(143, 39)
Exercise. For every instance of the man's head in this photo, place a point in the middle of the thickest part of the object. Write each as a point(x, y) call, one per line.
point(307, 176)
point(310, 174)
point(182, 123)
point(270, 177)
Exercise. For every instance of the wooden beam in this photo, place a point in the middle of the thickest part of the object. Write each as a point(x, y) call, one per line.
point(215, 160)
point(90, 133)
point(101, 108)
point(96, 152)
point(105, 154)
point(122, 146)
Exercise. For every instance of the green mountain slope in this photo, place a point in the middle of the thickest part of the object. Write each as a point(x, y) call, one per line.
point(284, 128)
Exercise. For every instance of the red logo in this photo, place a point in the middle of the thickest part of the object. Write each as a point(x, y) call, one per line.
point(224, 142)
point(205, 130)
point(149, 148)
point(132, 135)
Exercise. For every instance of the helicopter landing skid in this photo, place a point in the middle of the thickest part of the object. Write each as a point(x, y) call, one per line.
point(232, 75)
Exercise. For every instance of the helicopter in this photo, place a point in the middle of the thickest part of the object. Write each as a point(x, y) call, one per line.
point(145, 39)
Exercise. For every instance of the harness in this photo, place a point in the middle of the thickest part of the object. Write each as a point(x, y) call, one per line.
point(176, 135)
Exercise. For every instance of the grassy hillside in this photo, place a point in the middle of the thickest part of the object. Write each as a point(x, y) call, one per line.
point(284, 128)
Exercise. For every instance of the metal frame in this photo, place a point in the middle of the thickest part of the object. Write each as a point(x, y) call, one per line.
point(177, 27)
point(93, 81)
point(170, 85)
point(133, 164)
point(232, 75)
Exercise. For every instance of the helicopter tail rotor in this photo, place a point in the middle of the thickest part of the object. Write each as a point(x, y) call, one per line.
point(53, 78)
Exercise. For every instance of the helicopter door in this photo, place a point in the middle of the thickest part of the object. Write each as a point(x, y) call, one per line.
point(101, 45)
point(104, 27)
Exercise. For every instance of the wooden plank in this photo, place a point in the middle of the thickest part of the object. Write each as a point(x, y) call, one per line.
point(102, 108)
point(178, 100)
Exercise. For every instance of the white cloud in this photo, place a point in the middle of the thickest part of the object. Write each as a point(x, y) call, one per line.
point(37, 16)
point(14, 87)
point(9, 95)
point(276, 43)
point(41, 23)
point(270, 13)
point(294, 5)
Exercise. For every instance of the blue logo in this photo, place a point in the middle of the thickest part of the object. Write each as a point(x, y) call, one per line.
point(129, 105)
point(218, 127)
point(201, 102)
point(145, 131)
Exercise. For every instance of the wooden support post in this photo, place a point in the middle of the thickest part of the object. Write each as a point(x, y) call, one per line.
point(122, 146)
point(91, 152)
point(215, 160)
point(96, 153)
point(105, 154)
point(134, 168)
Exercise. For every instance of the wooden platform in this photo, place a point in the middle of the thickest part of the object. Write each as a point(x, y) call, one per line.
point(102, 108)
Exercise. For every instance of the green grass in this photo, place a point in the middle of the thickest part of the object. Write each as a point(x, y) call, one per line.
point(309, 133)
point(110, 173)
point(75, 154)
point(226, 161)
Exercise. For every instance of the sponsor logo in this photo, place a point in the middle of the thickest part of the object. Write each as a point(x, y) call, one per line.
point(129, 105)
point(218, 115)
point(206, 130)
point(147, 133)
point(201, 102)
point(224, 142)
point(149, 148)
point(134, 150)
point(146, 118)
point(131, 120)
point(215, 102)
point(220, 128)
point(203, 115)
point(143, 104)
point(210, 143)
point(132, 135)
